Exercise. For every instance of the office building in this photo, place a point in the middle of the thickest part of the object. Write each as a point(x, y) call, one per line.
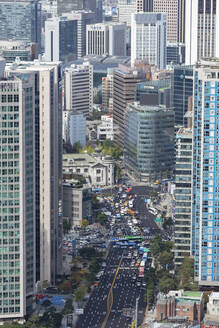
point(148, 38)
point(76, 203)
point(175, 53)
point(107, 91)
point(125, 9)
point(202, 30)
point(78, 88)
point(66, 6)
point(155, 92)
point(106, 39)
point(83, 18)
point(205, 198)
point(60, 39)
point(182, 89)
point(74, 127)
point(47, 145)
point(149, 141)
point(175, 17)
point(24, 50)
point(20, 20)
point(183, 195)
point(124, 89)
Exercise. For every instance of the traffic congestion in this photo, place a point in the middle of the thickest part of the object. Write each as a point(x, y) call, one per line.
point(117, 297)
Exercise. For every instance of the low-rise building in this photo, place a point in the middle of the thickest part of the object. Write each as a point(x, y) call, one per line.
point(211, 319)
point(180, 305)
point(106, 130)
point(98, 170)
point(76, 203)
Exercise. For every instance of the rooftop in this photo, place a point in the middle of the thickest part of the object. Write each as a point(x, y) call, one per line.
point(192, 294)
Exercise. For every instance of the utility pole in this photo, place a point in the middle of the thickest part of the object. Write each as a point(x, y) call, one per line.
point(136, 313)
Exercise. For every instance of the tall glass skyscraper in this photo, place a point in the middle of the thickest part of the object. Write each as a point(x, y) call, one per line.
point(205, 204)
point(20, 20)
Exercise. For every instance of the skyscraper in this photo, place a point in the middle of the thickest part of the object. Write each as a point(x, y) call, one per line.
point(47, 146)
point(83, 18)
point(106, 39)
point(20, 20)
point(17, 196)
point(173, 10)
point(78, 88)
point(205, 178)
point(125, 9)
point(60, 39)
point(148, 38)
point(202, 29)
point(149, 141)
point(182, 89)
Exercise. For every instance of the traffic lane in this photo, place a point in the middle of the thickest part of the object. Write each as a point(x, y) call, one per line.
point(95, 310)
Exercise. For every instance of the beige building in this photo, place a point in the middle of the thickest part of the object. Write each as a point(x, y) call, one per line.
point(107, 91)
point(48, 165)
point(98, 170)
point(76, 203)
point(172, 9)
point(78, 88)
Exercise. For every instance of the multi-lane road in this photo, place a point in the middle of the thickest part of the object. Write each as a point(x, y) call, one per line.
point(112, 303)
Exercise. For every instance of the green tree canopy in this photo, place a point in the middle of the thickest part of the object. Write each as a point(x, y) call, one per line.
point(80, 293)
point(166, 283)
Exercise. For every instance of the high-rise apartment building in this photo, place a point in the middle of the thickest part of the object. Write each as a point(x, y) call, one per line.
point(148, 38)
point(106, 39)
point(83, 18)
point(149, 141)
point(20, 20)
point(173, 10)
point(182, 89)
point(60, 39)
point(205, 178)
point(202, 30)
point(78, 88)
point(46, 97)
point(17, 194)
point(183, 195)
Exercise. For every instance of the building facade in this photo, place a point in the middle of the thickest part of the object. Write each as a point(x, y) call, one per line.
point(175, 53)
point(172, 9)
point(202, 30)
point(106, 39)
point(183, 195)
point(98, 170)
point(107, 91)
point(78, 88)
point(76, 203)
point(148, 38)
point(74, 127)
point(149, 141)
point(17, 194)
point(106, 130)
point(60, 39)
point(48, 163)
point(20, 20)
point(83, 18)
point(182, 89)
point(124, 87)
point(205, 198)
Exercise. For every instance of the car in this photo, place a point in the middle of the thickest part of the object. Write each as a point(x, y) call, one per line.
point(138, 284)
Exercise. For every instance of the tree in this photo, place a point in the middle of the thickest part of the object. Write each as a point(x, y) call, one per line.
point(47, 303)
point(66, 226)
point(84, 223)
point(166, 284)
point(117, 172)
point(185, 273)
point(77, 147)
point(68, 308)
point(101, 218)
point(165, 259)
point(156, 246)
point(153, 195)
point(80, 293)
point(88, 253)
